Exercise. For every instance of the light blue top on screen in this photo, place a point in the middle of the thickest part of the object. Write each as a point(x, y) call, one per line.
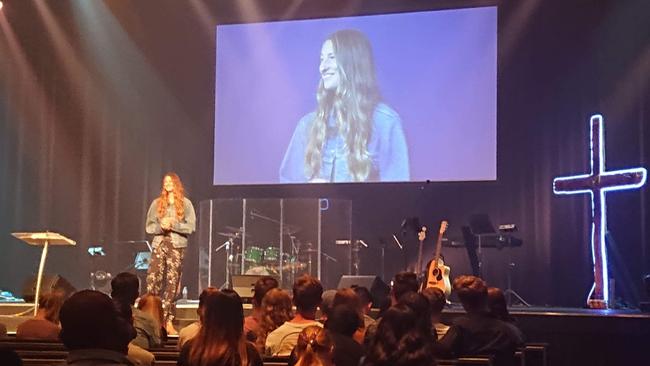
point(387, 149)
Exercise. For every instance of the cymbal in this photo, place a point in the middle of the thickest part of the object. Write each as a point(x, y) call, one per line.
point(290, 229)
point(234, 229)
point(231, 235)
point(306, 251)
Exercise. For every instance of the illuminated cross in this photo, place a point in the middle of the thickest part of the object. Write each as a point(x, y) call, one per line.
point(597, 183)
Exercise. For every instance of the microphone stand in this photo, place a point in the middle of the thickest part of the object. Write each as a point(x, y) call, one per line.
point(228, 245)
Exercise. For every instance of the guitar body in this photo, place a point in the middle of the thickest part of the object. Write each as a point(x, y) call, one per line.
point(438, 276)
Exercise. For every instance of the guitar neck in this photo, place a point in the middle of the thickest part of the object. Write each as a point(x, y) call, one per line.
point(419, 265)
point(438, 247)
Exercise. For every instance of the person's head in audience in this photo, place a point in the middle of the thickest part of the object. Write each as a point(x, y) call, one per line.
point(202, 299)
point(437, 300)
point(472, 292)
point(125, 287)
point(152, 305)
point(364, 297)
point(327, 299)
point(420, 305)
point(221, 337)
point(344, 319)
point(497, 305)
point(125, 319)
point(403, 282)
point(314, 347)
point(262, 286)
point(49, 306)
point(276, 309)
point(347, 296)
point(399, 341)
point(89, 320)
point(307, 292)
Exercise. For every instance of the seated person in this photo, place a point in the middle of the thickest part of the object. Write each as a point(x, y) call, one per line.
point(403, 338)
point(192, 330)
point(342, 323)
point(137, 355)
point(276, 309)
point(92, 331)
point(437, 302)
point(221, 339)
point(314, 348)
point(498, 308)
point(477, 333)
point(152, 305)
point(327, 301)
point(125, 288)
point(366, 304)
point(252, 322)
point(403, 283)
point(307, 292)
point(45, 325)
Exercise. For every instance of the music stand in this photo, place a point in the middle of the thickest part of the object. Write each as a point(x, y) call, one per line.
point(44, 239)
point(481, 226)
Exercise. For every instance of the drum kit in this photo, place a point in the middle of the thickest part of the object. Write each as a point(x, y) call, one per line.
point(267, 259)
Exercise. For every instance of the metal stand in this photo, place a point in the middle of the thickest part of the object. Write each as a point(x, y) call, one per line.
point(44, 239)
point(228, 245)
point(509, 292)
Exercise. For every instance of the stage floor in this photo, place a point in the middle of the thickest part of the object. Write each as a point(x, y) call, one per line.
point(575, 336)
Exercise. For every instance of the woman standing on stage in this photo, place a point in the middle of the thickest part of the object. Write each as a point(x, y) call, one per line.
point(171, 219)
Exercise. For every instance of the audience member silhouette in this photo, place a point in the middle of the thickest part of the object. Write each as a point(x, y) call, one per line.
point(307, 292)
point(92, 330)
point(478, 333)
point(125, 289)
point(400, 340)
point(437, 302)
point(314, 347)
point(45, 325)
point(221, 339)
point(252, 322)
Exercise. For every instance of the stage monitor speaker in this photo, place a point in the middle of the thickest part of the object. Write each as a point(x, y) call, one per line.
point(244, 285)
point(49, 283)
point(379, 290)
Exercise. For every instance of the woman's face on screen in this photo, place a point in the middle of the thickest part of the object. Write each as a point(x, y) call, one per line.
point(168, 184)
point(329, 70)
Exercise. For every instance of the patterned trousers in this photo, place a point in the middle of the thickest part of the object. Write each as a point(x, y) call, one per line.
point(164, 275)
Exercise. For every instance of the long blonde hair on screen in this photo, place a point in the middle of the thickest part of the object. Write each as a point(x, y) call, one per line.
point(352, 105)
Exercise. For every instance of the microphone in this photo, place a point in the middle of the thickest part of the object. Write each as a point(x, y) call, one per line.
point(362, 243)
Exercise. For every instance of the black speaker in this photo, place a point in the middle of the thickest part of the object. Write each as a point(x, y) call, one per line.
point(49, 283)
point(379, 290)
point(244, 285)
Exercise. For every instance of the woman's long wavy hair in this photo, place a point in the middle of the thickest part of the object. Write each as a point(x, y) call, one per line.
point(352, 105)
point(179, 197)
point(220, 340)
point(152, 305)
point(276, 309)
point(400, 341)
point(315, 347)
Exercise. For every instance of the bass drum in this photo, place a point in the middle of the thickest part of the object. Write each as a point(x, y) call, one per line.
point(261, 271)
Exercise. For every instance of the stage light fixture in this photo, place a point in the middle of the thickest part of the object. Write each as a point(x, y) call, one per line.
point(1, 5)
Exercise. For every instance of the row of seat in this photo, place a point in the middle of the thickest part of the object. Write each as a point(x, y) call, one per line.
point(39, 353)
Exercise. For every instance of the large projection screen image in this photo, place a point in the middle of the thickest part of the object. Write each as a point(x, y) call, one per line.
point(382, 98)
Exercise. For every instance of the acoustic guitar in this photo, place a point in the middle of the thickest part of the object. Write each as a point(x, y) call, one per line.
point(437, 271)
